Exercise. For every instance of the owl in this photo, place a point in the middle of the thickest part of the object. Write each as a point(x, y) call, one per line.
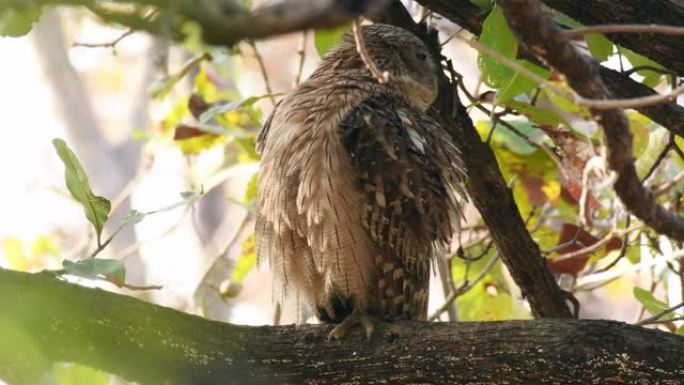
point(359, 188)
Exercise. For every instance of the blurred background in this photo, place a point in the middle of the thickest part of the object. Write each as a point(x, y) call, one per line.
point(123, 101)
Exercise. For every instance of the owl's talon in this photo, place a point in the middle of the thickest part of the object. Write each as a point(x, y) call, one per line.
point(355, 318)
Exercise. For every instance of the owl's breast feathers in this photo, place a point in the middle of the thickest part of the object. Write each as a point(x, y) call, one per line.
point(357, 193)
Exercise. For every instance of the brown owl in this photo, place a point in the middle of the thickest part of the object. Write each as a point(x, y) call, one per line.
point(359, 189)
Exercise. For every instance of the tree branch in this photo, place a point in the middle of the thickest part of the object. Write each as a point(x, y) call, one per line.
point(540, 35)
point(669, 115)
point(488, 189)
point(667, 50)
point(224, 22)
point(45, 320)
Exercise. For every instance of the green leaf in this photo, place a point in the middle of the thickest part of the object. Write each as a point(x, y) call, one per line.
point(15, 22)
point(564, 103)
point(651, 78)
point(639, 125)
point(505, 137)
point(163, 86)
point(519, 83)
point(600, 47)
point(489, 299)
point(75, 374)
point(680, 331)
point(651, 304)
point(485, 5)
point(541, 116)
point(325, 39)
point(133, 217)
point(498, 36)
point(222, 108)
point(111, 270)
point(96, 208)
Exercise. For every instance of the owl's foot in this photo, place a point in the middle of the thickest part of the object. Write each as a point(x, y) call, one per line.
point(357, 317)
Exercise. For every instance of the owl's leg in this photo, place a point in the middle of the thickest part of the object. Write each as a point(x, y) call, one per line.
point(357, 317)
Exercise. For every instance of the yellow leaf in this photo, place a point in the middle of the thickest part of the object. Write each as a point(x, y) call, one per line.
point(15, 255)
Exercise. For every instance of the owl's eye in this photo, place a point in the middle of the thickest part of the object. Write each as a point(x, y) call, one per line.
point(421, 56)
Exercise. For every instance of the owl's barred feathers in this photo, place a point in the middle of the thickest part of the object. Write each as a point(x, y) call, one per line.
point(356, 188)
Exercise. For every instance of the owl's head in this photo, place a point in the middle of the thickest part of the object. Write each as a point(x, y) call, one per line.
point(411, 67)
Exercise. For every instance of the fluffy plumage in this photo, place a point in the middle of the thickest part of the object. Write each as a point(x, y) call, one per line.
point(357, 183)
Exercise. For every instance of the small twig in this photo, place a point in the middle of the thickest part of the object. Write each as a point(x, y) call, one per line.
point(381, 76)
point(143, 168)
point(301, 53)
point(594, 165)
point(132, 249)
point(591, 248)
point(565, 245)
point(666, 321)
point(659, 315)
point(667, 186)
point(660, 157)
point(662, 71)
point(61, 272)
point(231, 240)
point(264, 73)
point(467, 285)
point(112, 44)
point(623, 250)
point(624, 28)
point(143, 287)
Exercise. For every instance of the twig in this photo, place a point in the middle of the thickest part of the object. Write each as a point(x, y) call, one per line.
point(381, 76)
point(112, 44)
point(301, 53)
point(662, 71)
point(623, 250)
point(667, 186)
point(234, 236)
point(264, 73)
point(594, 165)
point(143, 168)
point(660, 157)
point(132, 249)
point(624, 28)
point(467, 285)
point(597, 245)
point(659, 315)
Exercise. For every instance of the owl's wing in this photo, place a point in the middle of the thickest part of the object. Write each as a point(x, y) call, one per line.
point(411, 173)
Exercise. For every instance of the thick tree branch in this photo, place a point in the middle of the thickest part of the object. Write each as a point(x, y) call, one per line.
point(669, 115)
point(45, 320)
point(541, 36)
point(667, 50)
point(224, 22)
point(489, 191)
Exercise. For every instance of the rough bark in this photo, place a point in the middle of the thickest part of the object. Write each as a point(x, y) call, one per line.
point(46, 320)
point(669, 115)
point(490, 193)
